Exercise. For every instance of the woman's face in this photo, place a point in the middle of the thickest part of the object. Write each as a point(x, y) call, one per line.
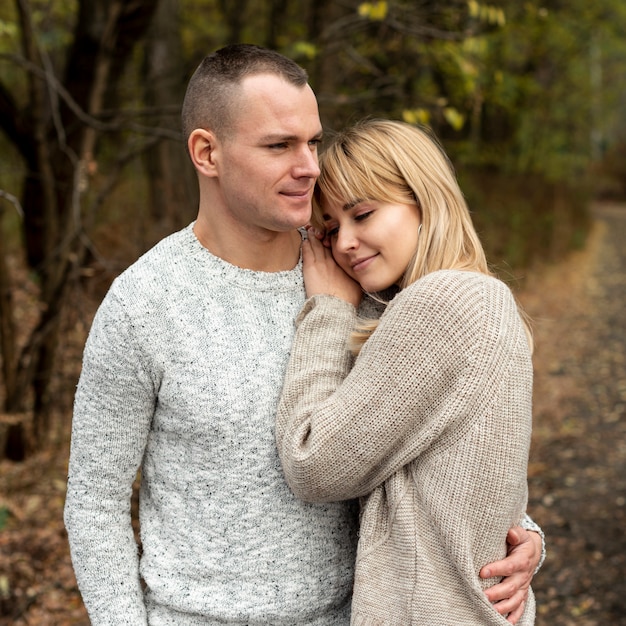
point(372, 241)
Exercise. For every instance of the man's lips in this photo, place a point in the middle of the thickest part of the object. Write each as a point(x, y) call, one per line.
point(298, 193)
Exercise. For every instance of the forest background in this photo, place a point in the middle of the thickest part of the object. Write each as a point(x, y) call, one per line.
point(526, 96)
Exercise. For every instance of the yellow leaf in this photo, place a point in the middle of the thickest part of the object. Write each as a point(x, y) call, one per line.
point(454, 118)
point(5, 587)
point(375, 11)
point(379, 11)
point(364, 9)
point(408, 116)
point(416, 116)
point(474, 8)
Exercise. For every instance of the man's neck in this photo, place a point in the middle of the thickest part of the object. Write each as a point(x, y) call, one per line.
point(262, 252)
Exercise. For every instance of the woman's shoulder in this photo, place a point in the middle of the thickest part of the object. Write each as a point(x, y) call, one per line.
point(454, 277)
point(444, 285)
point(455, 295)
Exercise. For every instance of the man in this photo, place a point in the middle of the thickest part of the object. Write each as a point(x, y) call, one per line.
point(181, 377)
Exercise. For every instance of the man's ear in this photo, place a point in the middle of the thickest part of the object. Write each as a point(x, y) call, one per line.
point(202, 145)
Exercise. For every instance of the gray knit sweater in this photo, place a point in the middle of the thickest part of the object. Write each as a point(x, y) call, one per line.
point(181, 377)
point(431, 427)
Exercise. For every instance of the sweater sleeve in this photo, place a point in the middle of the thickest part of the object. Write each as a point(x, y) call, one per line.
point(416, 383)
point(113, 407)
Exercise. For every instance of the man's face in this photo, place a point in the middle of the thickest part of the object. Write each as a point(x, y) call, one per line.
point(267, 163)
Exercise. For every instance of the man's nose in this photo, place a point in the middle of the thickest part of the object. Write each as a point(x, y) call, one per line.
point(307, 163)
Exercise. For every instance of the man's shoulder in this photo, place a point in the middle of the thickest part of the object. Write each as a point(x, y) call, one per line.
point(153, 275)
point(163, 259)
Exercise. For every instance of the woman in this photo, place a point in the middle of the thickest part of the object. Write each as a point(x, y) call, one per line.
point(430, 425)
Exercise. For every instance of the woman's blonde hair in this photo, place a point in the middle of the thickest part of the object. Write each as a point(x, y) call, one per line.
point(390, 161)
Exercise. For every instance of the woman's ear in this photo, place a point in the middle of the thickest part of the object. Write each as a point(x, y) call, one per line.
point(202, 145)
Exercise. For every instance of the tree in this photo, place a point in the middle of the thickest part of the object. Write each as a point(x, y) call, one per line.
point(523, 95)
point(171, 177)
point(56, 125)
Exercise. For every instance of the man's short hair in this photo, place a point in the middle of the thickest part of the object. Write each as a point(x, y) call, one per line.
point(211, 93)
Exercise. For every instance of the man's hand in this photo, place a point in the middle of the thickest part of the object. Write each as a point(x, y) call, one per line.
point(509, 595)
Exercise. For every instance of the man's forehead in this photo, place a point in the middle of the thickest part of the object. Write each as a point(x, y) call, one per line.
point(269, 109)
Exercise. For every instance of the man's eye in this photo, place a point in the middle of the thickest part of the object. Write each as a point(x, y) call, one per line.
point(315, 142)
point(278, 146)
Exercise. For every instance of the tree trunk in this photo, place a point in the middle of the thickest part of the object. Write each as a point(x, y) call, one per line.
point(58, 142)
point(234, 12)
point(12, 441)
point(171, 178)
point(323, 75)
point(275, 23)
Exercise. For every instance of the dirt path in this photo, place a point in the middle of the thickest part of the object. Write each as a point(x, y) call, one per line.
point(578, 461)
point(577, 469)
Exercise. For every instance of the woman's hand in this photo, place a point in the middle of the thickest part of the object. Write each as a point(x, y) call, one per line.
point(509, 595)
point(323, 276)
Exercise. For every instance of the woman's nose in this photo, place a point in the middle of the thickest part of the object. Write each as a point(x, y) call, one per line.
point(346, 239)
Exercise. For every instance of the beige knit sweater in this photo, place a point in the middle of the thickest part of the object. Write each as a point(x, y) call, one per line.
point(431, 428)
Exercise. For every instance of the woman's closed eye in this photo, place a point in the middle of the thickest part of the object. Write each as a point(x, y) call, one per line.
point(362, 216)
point(333, 229)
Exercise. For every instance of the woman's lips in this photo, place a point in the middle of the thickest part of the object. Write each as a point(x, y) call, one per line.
point(361, 264)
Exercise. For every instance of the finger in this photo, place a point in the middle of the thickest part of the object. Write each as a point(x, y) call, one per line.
point(307, 252)
point(497, 568)
point(516, 535)
point(315, 233)
point(518, 562)
point(320, 235)
point(511, 604)
point(312, 245)
point(514, 616)
point(508, 587)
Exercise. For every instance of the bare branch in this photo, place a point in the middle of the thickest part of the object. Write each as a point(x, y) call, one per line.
point(109, 185)
point(54, 107)
point(13, 200)
point(90, 120)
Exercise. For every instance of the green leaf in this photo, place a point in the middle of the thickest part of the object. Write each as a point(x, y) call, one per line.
point(8, 28)
point(305, 49)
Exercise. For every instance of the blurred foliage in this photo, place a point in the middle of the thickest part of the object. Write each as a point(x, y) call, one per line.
point(526, 97)
point(517, 91)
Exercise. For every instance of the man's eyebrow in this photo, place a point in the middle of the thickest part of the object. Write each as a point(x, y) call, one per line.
point(278, 138)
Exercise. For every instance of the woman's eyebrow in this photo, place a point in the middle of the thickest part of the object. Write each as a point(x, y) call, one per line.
point(352, 203)
point(346, 207)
